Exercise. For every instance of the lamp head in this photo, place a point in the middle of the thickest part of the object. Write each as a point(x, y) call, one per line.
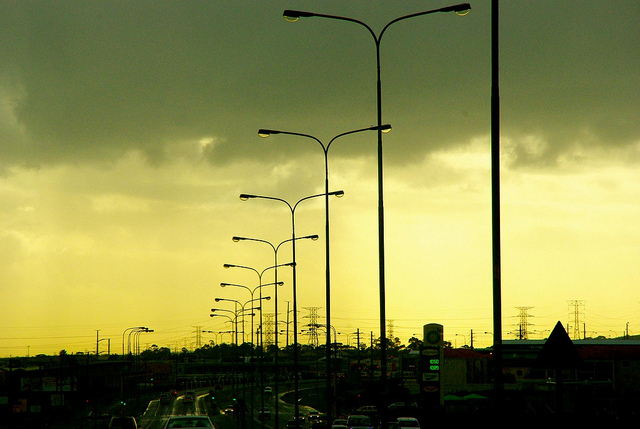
point(224, 284)
point(385, 128)
point(218, 299)
point(264, 133)
point(235, 238)
point(461, 9)
point(245, 197)
point(294, 15)
point(338, 194)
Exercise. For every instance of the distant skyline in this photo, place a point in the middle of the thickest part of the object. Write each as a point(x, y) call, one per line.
point(128, 131)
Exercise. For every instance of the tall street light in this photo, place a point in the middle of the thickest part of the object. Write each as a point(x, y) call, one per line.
point(295, 15)
point(234, 321)
point(252, 291)
point(243, 309)
point(260, 324)
point(275, 249)
point(292, 209)
point(495, 204)
point(325, 149)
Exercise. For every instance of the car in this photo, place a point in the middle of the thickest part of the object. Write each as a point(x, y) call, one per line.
point(294, 423)
point(264, 413)
point(268, 389)
point(314, 416)
point(368, 410)
point(165, 398)
point(228, 410)
point(189, 397)
point(358, 421)
point(319, 424)
point(340, 422)
point(402, 405)
point(124, 422)
point(408, 423)
point(176, 422)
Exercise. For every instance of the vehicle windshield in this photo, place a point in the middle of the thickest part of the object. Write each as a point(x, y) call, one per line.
point(407, 423)
point(193, 422)
point(359, 421)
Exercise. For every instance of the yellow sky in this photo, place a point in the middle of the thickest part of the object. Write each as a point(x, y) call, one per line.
point(124, 154)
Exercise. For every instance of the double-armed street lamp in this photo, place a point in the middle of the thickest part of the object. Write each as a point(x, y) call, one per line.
point(295, 15)
point(243, 309)
point(325, 149)
point(275, 248)
point(259, 287)
point(253, 343)
point(292, 209)
point(252, 292)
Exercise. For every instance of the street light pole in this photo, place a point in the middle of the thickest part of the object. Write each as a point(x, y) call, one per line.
point(292, 209)
point(275, 249)
point(252, 291)
point(293, 16)
point(325, 149)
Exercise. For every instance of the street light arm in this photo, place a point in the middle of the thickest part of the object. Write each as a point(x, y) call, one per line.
point(294, 15)
point(384, 128)
point(334, 193)
point(245, 197)
point(461, 9)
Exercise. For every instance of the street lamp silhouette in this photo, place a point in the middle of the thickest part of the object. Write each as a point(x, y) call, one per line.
point(292, 209)
point(243, 309)
point(251, 292)
point(295, 15)
point(253, 343)
point(275, 249)
point(264, 133)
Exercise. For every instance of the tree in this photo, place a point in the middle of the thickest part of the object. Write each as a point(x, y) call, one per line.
point(414, 343)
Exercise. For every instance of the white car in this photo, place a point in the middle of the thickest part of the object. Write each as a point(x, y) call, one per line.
point(408, 423)
point(177, 422)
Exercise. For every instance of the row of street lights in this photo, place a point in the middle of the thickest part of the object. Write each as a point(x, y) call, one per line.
point(293, 16)
point(135, 331)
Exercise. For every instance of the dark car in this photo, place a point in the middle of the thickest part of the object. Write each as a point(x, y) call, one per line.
point(190, 421)
point(264, 413)
point(128, 422)
point(295, 423)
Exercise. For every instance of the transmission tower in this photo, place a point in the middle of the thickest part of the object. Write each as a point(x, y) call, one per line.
point(198, 333)
point(523, 326)
point(575, 305)
point(313, 325)
point(390, 327)
point(268, 328)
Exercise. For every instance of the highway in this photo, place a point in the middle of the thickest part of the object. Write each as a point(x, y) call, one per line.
point(157, 413)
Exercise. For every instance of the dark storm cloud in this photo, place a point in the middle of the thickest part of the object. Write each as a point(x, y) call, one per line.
point(100, 78)
point(84, 80)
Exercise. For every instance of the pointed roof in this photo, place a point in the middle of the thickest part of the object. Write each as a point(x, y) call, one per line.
point(558, 351)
